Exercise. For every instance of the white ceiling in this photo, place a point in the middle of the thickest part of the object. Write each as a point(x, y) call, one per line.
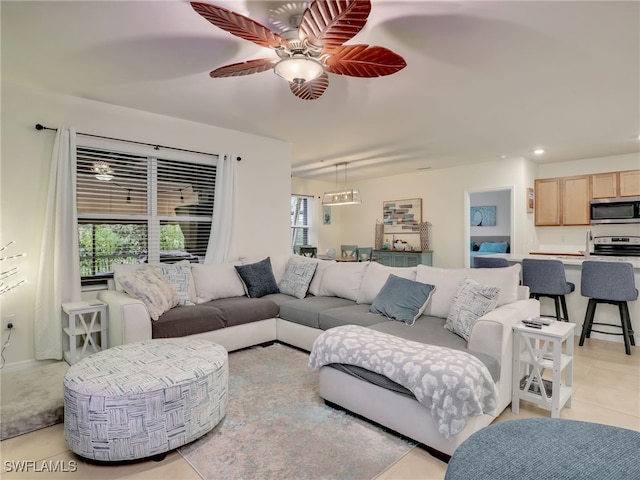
point(483, 79)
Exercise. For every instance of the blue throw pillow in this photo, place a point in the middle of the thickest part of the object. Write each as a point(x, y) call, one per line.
point(494, 247)
point(402, 299)
point(258, 278)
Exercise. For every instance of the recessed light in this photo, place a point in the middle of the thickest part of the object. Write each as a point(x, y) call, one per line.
point(539, 151)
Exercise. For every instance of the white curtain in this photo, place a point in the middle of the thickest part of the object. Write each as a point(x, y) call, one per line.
point(59, 274)
point(220, 248)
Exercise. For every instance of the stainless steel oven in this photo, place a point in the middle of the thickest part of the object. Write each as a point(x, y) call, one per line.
point(617, 246)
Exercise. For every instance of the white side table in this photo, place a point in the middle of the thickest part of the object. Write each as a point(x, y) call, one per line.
point(534, 351)
point(84, 321)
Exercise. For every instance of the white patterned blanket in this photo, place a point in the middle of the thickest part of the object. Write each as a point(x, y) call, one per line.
point(452, 384)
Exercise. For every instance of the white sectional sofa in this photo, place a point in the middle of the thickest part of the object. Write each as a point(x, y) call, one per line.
point(214, 305)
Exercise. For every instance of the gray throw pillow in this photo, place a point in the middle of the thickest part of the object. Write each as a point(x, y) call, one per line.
point(471, 301)
point(297, 278)
point(258, 278)
point(402, 299)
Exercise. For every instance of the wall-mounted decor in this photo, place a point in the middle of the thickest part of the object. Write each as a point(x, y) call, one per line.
point(402, 216)
point(530, 200)
point(326, 215)
point(483, 216)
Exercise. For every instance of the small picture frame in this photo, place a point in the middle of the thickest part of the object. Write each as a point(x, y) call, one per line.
point(326, 215)
point(531, 200)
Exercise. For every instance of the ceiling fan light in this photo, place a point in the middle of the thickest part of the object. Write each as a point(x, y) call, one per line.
point(350, 196)
point(299, 68)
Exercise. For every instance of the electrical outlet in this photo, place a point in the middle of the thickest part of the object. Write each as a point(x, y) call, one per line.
point(9, 322)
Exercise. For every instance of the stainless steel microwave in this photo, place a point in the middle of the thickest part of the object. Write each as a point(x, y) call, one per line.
point(615, 210)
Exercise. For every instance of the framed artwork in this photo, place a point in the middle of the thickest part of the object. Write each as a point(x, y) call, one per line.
point(483, 216)
point(402, 216)
point(531, 198)
point(326, 215)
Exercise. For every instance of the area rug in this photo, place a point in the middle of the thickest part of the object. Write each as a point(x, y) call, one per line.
point(31, 399)
point(278, 427)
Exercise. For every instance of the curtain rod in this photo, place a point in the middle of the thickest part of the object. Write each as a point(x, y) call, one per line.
point(39, 126)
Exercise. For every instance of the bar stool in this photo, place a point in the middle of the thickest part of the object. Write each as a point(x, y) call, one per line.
point(546, 278)
point(490, 262)
point(613, 283)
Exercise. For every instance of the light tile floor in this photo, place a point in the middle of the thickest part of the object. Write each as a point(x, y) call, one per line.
point(606, 390)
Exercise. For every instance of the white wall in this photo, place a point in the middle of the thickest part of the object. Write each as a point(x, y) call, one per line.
point(501, 199)
point(263, 181)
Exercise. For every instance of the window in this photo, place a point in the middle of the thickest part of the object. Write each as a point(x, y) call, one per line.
point(140, 209)
point(301, 220)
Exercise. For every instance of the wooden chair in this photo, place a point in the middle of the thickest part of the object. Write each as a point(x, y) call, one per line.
point(308, 251)
point(366, 252)
point(349, 250)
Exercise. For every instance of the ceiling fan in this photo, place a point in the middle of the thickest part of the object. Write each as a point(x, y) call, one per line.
point(311, 46)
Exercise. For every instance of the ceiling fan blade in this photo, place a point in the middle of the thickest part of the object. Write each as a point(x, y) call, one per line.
point(364, 61)
point(330, 23)
point(312, 89)
point(239, 25)
point(244, 68)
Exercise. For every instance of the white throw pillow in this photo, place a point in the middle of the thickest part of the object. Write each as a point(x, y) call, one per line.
point(447, 281)
point(216, 280)
point(471, 301)
point(376, 276)
point(316, 281)
point(152, 288)
point(343, 279)
point(120, 269)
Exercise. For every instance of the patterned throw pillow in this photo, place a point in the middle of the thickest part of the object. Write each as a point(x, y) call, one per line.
point(179, 276)
point(152, 288)
point(258, 278)
point(297, 278)
point(471, 301)
point(402, 299)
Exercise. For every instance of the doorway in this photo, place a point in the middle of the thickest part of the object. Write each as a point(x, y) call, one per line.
point(492, 219)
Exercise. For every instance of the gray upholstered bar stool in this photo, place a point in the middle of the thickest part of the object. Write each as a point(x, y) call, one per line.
point(546, 278)
point(490, 262)
point(613, 283)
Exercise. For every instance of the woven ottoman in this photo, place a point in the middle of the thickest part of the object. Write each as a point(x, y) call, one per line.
point(143, 399)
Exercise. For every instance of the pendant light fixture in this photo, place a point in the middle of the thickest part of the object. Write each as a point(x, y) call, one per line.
point(344, 196)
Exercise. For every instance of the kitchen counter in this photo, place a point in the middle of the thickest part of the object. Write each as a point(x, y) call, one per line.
point(577, 304)
point(569, 259)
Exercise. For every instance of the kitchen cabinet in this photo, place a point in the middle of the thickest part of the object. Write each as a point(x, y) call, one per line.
point(615, 184)
point(562, 201)
point(398, 258)
point(630, 183)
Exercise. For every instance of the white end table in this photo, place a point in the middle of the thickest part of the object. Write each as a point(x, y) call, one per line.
point(84, 321)
point(534, 351)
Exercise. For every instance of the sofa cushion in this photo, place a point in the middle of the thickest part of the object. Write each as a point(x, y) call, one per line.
point(241, 310)
point(187, 320)
point(316, 281)
point(353, 314)
point(120, 269)
point(258, 278)
point(297, 278)
point(306, 311)
point(343, 279)
point(216, 280)
point(152, 288)
point(402, 299)
point(447, 281)
point(375, 277)
point(471, 301)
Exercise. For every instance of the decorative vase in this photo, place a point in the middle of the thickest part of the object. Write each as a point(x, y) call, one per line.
point(331, 253)
point(424, 236)
point(379, 233)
